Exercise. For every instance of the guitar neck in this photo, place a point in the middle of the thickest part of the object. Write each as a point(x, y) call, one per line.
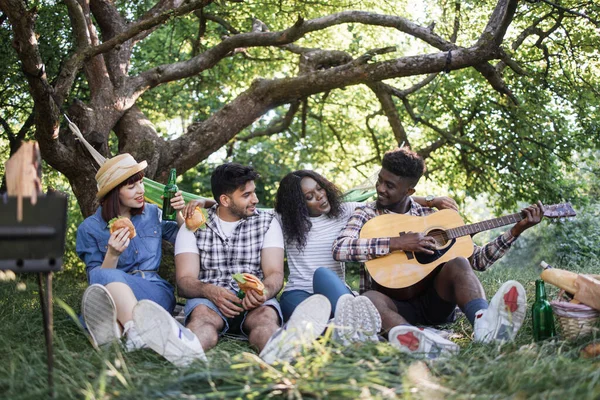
point(483, 225)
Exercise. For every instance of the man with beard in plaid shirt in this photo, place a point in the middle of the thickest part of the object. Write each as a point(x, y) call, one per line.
point(452, 284)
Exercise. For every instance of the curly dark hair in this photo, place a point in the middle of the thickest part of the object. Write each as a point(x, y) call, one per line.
point(404, 163)
point(291, 205)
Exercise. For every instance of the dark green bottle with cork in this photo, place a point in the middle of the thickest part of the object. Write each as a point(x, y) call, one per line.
point(168, 212)
point(543, 317)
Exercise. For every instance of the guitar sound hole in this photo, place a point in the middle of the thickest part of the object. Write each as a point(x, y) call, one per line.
point(440, 236)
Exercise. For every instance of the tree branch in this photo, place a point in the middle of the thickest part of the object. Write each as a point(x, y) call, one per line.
point(390, 111)
point(222, 22)
point(274, 127)
point(570, 11)
point(374, 136)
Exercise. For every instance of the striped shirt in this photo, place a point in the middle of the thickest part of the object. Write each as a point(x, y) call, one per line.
point(348, 246)
point(317, 252)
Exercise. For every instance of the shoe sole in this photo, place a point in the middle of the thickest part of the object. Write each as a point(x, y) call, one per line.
point(313, 313)
point(100, 315)
point(414, 341)
point(307, 322)
point(344, 321)
point(512, 307)
point(367, 318)
point(157, 333)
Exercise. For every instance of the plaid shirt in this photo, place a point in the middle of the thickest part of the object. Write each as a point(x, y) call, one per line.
point(348, 246)
point(221, 256)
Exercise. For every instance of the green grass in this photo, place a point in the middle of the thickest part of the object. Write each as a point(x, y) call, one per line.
point(519, 370)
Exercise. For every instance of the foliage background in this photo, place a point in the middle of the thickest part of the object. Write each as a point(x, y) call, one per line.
point(505, 157)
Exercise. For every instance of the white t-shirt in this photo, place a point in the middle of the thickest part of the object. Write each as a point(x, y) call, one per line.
point(186, 240)
point(318, 250)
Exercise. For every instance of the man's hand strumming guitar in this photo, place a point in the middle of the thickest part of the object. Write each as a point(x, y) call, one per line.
point(412, 241)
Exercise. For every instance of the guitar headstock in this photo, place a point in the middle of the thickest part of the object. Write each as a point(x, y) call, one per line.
point(562, 210)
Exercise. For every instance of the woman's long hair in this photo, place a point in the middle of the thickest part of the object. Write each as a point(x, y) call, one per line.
point(291, 205)
point(110, 202)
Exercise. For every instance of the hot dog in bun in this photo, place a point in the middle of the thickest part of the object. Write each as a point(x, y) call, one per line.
point(248, 282)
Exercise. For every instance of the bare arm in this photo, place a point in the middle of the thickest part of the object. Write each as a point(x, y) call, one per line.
point(187, 270)
point(117, 244)
point(439, 202)
point(188, 210)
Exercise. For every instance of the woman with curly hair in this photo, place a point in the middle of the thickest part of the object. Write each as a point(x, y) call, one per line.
point(312, 214)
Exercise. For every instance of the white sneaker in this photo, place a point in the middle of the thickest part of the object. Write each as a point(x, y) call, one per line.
point(133, 340)
point(504, 316)
point(418, 341)
point(367, 319)
point(307, 322)
point(100, 315)
point(163, 334)
point(344, 323)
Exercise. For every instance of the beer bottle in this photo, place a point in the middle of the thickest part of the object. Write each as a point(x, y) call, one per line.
point(543, 318)
point(168, 212)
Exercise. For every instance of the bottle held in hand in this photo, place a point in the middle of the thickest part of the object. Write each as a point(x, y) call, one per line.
point(168, 212)
point(543, 317)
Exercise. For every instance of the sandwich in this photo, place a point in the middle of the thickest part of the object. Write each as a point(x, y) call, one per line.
point(122, 222)
point(196, 221)
point(248, 282)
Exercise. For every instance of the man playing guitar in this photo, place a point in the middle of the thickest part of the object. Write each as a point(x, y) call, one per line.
point(453, 283)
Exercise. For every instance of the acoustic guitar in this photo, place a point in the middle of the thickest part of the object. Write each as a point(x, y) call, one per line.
point(402, 274)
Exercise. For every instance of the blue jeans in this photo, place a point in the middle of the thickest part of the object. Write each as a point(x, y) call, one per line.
point(325, 282)
point(150, 287)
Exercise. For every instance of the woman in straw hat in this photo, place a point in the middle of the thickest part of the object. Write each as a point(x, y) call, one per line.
point(122, 271)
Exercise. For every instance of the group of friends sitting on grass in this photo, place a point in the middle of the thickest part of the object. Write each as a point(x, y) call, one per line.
point(128, 301)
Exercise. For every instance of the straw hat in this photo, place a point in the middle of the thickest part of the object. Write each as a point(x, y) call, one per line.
point(117, 170)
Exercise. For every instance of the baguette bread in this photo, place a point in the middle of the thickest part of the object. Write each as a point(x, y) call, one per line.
point(559, 277)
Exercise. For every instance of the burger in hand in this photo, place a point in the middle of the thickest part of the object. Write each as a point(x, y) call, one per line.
point(248, 282)
point(196, 221)
point(122, 222)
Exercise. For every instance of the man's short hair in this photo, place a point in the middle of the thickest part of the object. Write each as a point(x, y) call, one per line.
point(404, 163)
point(229, 177)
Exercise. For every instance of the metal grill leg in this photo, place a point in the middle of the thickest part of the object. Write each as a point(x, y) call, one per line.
point(46, 303)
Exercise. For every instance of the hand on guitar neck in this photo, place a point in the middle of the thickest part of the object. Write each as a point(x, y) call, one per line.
point(532, 216)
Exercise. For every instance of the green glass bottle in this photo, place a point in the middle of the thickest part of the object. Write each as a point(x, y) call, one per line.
point(168, 212)
point(543, 317)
